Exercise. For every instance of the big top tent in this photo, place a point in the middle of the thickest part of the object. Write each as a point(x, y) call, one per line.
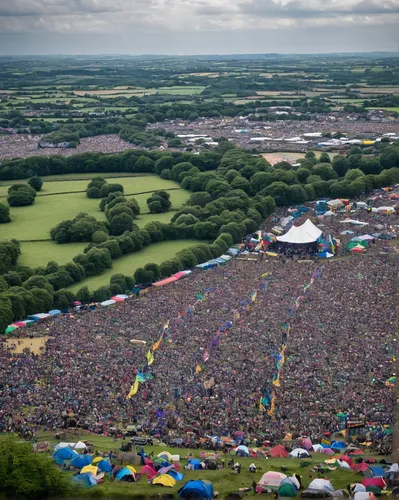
point(297, 235)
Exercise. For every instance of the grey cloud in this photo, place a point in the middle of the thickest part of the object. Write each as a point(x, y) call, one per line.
point(299, 9)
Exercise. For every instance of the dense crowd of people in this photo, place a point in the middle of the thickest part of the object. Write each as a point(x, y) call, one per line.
point(23, 146)
point(340, 351)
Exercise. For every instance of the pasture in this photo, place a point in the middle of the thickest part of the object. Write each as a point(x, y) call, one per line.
point(63, 197)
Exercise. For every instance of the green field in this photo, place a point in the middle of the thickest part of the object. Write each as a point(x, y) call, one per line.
point(155, 253)
point(38, 253)
point(223, 480)
point(387, 109)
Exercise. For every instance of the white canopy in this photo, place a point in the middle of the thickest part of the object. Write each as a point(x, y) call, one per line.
point(307, 233)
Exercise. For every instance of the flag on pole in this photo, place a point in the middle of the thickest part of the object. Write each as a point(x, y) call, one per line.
point(198, 369)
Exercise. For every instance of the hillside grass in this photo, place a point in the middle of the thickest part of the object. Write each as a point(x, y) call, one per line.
point(223, 480)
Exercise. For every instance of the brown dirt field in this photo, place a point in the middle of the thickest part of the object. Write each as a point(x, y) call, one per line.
point(17, 345)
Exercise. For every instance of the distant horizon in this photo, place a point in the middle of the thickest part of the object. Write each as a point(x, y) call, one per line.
point(215, 54)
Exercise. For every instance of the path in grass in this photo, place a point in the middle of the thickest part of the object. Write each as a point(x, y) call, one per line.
point(155, 253)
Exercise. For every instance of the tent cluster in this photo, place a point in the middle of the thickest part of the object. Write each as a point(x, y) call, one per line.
point(175, 277)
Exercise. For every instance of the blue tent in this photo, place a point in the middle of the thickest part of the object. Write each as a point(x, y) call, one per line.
point(81, 461)
point(377, 471)
point(195, 463)
point(104, 466)
point(197, 489)
point(87, 480)
point(54, 312)
point(178, 476)
point(338, 445)
point(123, 472)
point(64, 454)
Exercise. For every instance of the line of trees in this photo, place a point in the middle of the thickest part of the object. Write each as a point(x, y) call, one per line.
point(231, 195)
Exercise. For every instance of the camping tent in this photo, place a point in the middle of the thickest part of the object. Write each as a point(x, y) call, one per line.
point(87, 480)
point(242, 451)
point(195, 463)
point(270, 481)
point(321, 485)
point(335, 204)
point(279, 452)
point(108, 303)
point(307, 233)
point(164, 480)
point(80, 461)
point(299, 453)
point(196, 489)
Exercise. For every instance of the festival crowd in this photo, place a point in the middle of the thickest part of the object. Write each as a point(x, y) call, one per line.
point(213, 373)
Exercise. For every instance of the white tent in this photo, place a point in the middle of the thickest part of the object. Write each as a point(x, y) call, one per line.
point(321, 485)
point(299, 453)
point(80, 446)
point(307, 233)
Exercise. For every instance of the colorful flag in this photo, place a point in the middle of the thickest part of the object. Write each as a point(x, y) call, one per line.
point(156, 345)
point(134, 388)
point(206, 356)
point(150, 358)
point(253, 296)
point(141, 377)
point(198, 369)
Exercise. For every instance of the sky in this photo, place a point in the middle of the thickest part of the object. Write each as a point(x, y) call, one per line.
point(184, 27)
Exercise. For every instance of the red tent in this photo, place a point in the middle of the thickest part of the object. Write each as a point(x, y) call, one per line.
point(148, 471)
point(279, 452)
point(374, 481)
point(359, 467)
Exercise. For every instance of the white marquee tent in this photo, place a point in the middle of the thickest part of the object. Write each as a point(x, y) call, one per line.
point(307, 233)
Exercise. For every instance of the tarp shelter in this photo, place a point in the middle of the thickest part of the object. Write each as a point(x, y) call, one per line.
point(299, 453)
point(182, 274)
point(196, 489)
point(233, 251)
point(164, 480)
point(166, 281)
point(55, 312)
point(335, 204)
point(37, 318)
point(120, 297)
point(279, 452)
point(270, 481)
point(307, 233)
point(108, 303)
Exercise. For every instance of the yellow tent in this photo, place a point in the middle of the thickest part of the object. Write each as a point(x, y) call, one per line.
point(96, 460)
point(164, 480)
point(91, 469)
point(166, 456)
point(131, 468)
